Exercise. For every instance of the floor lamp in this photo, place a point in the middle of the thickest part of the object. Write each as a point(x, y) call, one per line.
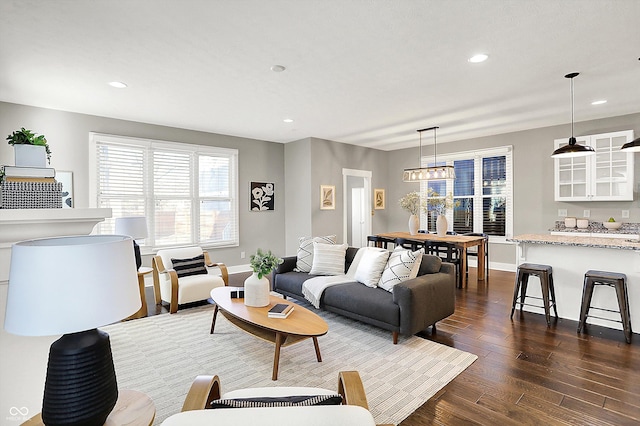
point(71, 286)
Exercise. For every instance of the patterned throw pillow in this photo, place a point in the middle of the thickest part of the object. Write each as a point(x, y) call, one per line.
point(371, 265)
point(186, 267)
point(328, 259)
point(402, 265)
point(304, 261)
point(279, 401)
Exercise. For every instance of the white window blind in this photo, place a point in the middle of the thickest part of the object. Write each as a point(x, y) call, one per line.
point(482, 192)
point(187, 192)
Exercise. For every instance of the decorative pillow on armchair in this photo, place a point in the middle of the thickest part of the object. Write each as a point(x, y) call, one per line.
point(186, 267)
point(304, 261)
point(280, 401)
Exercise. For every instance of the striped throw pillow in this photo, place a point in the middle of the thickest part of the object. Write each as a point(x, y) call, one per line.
point(305, 251)
point(186, 267)
point(328, 259)
point(280, 401)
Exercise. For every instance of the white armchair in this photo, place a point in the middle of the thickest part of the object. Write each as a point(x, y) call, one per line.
point(190, 283)
point(353, 411)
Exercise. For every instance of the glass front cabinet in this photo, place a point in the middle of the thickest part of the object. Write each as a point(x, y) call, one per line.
point(605, 176)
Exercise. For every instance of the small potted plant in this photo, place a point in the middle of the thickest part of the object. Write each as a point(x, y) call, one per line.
point(256, 287)
point(30, 149)
point(411, 203)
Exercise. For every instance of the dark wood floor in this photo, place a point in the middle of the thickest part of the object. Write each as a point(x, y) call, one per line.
point(527, 373)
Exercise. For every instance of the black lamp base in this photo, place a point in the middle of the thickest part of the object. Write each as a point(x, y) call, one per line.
point(80, 387)
point(136, 253)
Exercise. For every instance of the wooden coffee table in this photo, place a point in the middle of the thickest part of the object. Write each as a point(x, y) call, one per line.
point(300, 325)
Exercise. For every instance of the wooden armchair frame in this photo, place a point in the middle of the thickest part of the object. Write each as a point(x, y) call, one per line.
point(205, 389)
point(159, 268)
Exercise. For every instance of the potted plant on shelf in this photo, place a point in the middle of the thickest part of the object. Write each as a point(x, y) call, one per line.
point(438, 205)
point(256, 287)
point(411, 203)
point(31, 150)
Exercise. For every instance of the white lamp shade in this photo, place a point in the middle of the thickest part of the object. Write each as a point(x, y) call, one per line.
point(70, 284)
point(133, 226)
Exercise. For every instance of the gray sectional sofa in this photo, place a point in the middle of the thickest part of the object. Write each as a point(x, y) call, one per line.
point(412, 306)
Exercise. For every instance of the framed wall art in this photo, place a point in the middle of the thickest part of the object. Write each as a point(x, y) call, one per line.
point(262, 197)
point(378, 199)
point(327, 197)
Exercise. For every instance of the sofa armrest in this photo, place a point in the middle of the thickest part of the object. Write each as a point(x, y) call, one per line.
point(426, 299)
point(288, 264)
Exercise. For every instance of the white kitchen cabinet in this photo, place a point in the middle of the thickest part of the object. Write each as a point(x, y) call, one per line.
point(605, 176)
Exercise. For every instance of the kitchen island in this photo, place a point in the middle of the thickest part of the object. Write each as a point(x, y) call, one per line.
point(571, 257)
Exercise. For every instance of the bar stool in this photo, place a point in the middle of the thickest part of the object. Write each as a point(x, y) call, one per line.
point(617, 280)
point(545, 274)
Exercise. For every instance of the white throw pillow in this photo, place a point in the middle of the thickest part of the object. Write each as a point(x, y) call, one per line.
point(305, 251)
point(402, 265)
point(371, 265)
point(328, 259)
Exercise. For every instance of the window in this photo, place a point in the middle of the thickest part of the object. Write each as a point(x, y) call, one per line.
point(481, 192)
point(187, 192)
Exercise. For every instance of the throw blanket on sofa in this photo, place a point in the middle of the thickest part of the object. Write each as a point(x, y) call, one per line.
point(313, 288)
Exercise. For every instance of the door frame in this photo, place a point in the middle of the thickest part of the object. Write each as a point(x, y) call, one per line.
point(366, 174)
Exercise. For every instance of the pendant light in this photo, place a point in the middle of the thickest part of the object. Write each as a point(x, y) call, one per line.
point(429, 173)
point(573, 149)
point(633, 146)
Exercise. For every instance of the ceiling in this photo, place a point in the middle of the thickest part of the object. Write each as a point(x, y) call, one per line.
point(364, 72)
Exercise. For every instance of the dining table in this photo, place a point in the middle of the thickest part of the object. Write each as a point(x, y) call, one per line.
point(462, 242)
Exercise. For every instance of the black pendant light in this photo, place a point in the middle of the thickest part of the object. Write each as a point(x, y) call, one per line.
point(573, 149)
point(434, 172)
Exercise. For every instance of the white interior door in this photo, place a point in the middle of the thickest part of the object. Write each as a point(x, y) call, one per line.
point(358, 211)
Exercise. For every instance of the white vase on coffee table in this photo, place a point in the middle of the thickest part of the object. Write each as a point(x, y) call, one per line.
point(256, 291)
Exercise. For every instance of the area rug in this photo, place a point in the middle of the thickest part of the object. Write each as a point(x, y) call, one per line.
point(161, 355)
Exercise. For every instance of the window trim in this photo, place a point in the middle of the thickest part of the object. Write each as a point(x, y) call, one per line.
point(478, 154)
point(183, 147)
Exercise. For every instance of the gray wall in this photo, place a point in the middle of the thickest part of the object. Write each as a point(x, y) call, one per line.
point(535, 210)
point(297, 174)
point(68, 136)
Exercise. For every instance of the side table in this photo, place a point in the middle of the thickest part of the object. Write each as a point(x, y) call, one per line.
point(133, 408)
point(144, 270)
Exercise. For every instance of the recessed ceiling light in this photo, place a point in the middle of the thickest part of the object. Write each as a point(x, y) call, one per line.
point(480, 57)
point(288, 120)
point(600, 102)
point(117, 84)
point(277, 68)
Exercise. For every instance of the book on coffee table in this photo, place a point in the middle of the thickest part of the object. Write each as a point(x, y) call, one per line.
point(280, 310)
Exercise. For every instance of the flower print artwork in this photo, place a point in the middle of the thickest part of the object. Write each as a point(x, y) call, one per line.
point(262, 196)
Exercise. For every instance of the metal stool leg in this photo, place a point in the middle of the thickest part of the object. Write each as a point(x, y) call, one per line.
point(515, 292)
point(544, 283)
point(587, 293)
point(623, 304)
point(553, 294)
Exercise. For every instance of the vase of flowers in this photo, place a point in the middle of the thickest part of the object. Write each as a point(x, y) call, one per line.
point(411, 203)
point(256, 287)
point(438, 205)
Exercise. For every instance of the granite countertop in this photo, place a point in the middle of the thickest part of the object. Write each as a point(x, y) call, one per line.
point(578, 241)
point(598, 228)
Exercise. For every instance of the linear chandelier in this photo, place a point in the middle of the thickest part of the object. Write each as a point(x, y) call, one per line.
point(573, 149)
point(429, 173)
